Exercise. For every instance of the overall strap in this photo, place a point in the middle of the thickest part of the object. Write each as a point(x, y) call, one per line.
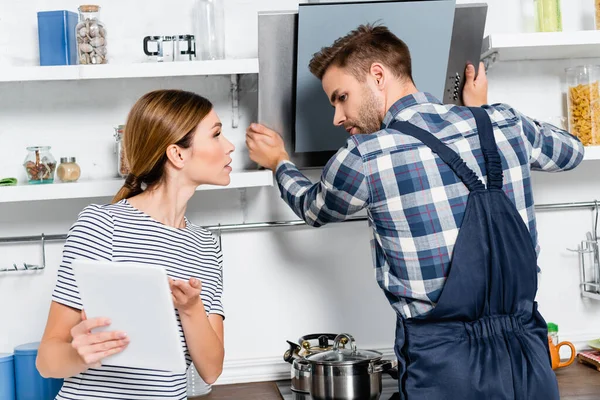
point(493, 162)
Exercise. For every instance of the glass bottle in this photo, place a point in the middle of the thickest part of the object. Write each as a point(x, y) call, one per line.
point(196, 386)
point(91, 36)
point(553, 332)
point(122, 168)
point(583, 103)
point(68, 170)
point(209, 26)
point(548, 17)
point(39, 165)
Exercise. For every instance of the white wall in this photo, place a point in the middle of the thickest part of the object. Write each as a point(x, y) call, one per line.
point(279, 284)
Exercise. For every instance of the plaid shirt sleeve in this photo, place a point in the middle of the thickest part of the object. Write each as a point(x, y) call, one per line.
point(550, 149)
point(341, 192)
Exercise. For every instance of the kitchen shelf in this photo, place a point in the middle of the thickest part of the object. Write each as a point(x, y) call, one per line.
point(138, 70)
point(592, 153)
point(542, 45)
point(109, 187)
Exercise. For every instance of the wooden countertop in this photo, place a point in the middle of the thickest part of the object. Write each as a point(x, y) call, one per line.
point(576, 382)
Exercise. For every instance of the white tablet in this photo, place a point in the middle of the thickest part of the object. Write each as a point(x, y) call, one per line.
point(137, 300)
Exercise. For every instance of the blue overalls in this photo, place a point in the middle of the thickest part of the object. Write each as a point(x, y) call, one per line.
point(485, 339)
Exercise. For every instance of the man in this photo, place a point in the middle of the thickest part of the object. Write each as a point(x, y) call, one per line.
point(448, 195)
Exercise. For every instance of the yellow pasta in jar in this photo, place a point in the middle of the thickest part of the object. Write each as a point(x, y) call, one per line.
point(584, 113)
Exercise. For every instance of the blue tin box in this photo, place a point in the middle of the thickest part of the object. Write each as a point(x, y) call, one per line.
point(57, 37)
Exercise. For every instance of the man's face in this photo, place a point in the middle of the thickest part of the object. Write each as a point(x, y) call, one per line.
point(357, 106)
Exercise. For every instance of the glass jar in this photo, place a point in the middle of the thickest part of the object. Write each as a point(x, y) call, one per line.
point(548, 17)
point(583, 103)
point(39, 165)
point(597, 13)
point(196, 386)
point(122, 168)
point(91, 36)
point(68, 170)
point(209, 26)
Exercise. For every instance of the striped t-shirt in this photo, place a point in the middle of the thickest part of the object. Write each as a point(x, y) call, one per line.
point(121, 233)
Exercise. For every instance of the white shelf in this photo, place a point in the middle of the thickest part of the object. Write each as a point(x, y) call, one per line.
point(109, 187)
point(542, 45)
point(592, 153)
point(139, 70)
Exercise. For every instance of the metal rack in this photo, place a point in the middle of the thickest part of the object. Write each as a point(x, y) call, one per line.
point(589, 288)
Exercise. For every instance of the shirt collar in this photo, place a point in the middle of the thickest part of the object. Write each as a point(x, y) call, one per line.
point(406, 102)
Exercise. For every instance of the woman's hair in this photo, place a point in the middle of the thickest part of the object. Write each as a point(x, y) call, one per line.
point(156, 121)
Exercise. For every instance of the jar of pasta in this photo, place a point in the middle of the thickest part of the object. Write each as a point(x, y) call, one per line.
point(583, 96)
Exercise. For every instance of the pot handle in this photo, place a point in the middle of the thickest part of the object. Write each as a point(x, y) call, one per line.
point(303, 365)
point(388, 366)
point(344, 338)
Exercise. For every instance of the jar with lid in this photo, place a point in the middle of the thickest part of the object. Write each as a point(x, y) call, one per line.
point(209, 27)
point(68, 170)
point(548, 17)
point(91, 36)
point(553, 332)
point(122, 168)
point(39, 165)
point(583, 98)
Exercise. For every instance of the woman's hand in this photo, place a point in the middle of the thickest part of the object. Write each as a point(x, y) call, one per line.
point(186, 294)
point(93, 347)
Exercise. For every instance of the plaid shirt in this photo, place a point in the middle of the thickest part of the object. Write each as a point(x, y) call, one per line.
point(415, 203)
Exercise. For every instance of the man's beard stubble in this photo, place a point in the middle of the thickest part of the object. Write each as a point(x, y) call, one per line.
point(368, 115)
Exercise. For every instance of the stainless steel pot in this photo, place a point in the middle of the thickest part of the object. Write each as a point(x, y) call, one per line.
point(345, 374)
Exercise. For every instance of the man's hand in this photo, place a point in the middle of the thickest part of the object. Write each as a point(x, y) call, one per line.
point(475, 92)
point(265, 146)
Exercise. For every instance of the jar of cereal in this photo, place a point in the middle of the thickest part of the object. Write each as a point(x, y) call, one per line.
point(583, 96)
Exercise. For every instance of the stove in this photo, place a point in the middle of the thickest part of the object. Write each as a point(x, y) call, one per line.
point(389, 390)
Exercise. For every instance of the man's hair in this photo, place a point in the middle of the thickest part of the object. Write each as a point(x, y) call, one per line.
point(359, 49)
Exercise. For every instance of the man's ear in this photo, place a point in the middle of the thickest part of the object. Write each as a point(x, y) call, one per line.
point(378, 73)
point(175, 156)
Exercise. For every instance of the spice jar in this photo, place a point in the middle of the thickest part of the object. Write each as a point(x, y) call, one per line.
point(91, 36)
point(39, 165)
point(68, 169)
point(583, 103)
point(122, 168)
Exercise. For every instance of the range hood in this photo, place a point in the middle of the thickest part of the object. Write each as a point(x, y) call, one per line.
point(442, 38)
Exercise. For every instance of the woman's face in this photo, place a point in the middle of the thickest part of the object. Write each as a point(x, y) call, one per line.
point(210, 153)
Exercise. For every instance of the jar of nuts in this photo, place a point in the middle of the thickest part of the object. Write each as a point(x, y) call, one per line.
point(584, 103)
point(39, 165)
point(122, 169)
point(91, 36)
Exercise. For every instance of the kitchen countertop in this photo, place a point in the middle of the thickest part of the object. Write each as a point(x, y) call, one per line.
point(576, 382)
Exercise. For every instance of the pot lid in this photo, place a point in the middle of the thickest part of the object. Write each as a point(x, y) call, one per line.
point(338, 355)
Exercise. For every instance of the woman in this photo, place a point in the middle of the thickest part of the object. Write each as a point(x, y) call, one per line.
point(173, 143)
